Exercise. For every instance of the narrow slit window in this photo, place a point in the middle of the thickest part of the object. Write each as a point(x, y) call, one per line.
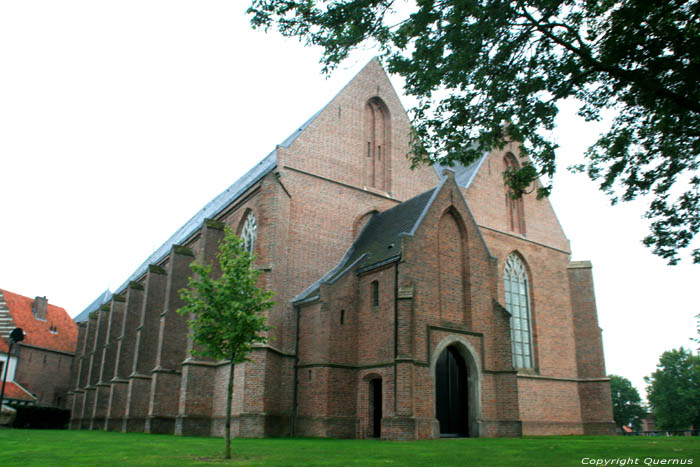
point(379, 152)
point(515, 212)
point(342, 316)
point(375, 293)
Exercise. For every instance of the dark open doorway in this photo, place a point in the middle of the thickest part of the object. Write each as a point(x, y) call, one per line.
point(452, 394)
point(375, 393)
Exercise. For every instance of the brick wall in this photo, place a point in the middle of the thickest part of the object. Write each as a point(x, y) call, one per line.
point(45, 373)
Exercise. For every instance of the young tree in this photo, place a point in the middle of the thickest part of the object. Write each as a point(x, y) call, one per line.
point(674, 390)
point(627, 404)
point(226, 313)
point(511, 61)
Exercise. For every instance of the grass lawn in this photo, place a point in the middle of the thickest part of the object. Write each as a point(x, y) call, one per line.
point(70, 448)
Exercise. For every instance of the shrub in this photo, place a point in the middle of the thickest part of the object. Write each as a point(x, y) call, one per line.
point(29, 416)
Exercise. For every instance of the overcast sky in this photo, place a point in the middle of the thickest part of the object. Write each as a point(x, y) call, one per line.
point(120, 120)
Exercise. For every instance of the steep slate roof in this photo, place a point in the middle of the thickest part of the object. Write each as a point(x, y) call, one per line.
point(464, 175)
point(17, 392)
point(95, 305)
point(213, 208)
point(37, 331)
point(379, 242)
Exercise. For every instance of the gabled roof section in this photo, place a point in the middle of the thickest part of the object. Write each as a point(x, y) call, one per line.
point(290, 139)
point(464, 175)
point(213, 208)
point(379, 242)
point(104, 297)
point(58, 332)
point(217, 205)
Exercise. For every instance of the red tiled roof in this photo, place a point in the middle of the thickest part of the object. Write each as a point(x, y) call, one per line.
point(37, 332)
point(15, 391)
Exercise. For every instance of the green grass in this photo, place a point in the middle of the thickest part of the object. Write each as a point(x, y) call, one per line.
point(71, 448)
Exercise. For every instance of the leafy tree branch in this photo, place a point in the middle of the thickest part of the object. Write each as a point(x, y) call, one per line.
point(486, 72)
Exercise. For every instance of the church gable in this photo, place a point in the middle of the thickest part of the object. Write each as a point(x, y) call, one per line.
point(453, 258)
point(493, 209)
point(361, 138)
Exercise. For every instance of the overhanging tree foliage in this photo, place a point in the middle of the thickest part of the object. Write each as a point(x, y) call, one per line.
point(226, 313)
point(489, 71)
point(627, 404)
point(674, 390)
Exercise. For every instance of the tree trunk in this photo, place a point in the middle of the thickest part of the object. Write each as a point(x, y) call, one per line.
point(229, 395)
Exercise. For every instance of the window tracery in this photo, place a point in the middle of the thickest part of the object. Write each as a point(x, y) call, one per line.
point(518, 305)
point(249, 233)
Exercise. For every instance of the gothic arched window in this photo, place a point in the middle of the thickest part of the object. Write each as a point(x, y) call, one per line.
point(249, 233)
point(518, 304)
point(514, 207)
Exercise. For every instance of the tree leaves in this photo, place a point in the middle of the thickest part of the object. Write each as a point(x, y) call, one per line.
point(226, 313)
point(627, 404)
point(674, 390)
point(490, 71)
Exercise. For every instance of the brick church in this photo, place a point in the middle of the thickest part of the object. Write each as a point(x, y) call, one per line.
point(411, 304)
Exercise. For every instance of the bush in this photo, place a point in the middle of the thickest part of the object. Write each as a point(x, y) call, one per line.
point(29, 416)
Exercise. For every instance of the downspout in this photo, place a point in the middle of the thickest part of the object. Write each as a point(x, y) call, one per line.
point(292, 421)
point(396, 326)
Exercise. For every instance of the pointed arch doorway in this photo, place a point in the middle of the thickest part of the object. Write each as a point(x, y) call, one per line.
point(452, 393)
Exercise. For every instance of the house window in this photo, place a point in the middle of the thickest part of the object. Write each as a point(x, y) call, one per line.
point(518, 304)
point(342, 316)
point(375, 293)
point(249, 233)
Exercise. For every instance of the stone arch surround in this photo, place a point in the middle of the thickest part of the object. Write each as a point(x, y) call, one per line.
point(471, 359)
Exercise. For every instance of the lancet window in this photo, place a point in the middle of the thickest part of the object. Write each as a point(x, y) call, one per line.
point(249, 233)
point(518, 304)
